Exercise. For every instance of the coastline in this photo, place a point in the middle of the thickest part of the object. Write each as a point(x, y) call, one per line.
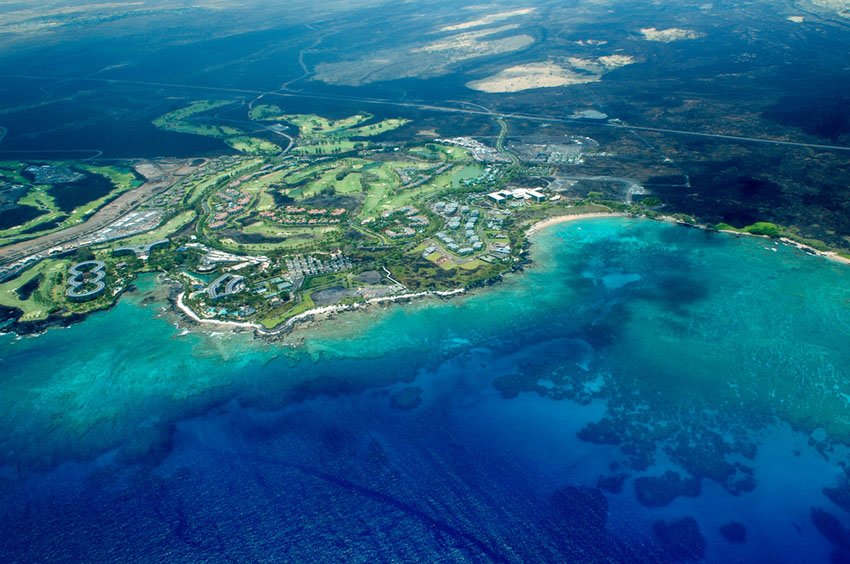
point(829, 255)
point(567, 218)
point(188, 312)
point(809, 250)
point(327, 312)
point(324, 312)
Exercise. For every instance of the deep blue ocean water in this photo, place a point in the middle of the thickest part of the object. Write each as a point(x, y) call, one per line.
point(644, 393)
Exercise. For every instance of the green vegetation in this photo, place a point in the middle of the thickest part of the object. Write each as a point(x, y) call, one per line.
point(329, 147)
point(349, 184)
point(377, 129)
point(266, 112)
point(310, 125)
point(185, 120)
point(45, 299)
point(336, 198)
point(278, 316)
point(253, 145)
point(38, 196)
point(178, 120)
point(123, 178)
point(767, 229)
point(759, 228)
point(196, 188)
point(323, 136)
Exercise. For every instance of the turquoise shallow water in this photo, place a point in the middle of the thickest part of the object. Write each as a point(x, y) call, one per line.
point(645, 392)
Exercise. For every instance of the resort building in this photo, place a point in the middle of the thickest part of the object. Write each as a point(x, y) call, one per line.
point(226, 285)
point(86, 281)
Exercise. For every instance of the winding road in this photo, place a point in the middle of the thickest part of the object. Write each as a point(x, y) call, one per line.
point(422, 106)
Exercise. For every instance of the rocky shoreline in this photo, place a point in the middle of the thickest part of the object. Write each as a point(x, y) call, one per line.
point(9, 316)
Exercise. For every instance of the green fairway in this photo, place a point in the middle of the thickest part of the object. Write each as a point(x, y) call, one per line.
point(253, 145)
point(310, 125)
point(38, 196)
point(351, 184)
point(181, 121)
point(377, 128)
point(40, 303)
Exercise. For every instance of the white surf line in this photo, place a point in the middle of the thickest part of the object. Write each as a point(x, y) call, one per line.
point(194, 317)
point(326, 310)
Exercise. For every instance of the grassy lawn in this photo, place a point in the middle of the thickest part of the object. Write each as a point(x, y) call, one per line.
point(311, 125)
point(471, 265)
point(377, 128)
point(38, 197)
point(377, 197)
point(266, 112)
point(178, 121)
point(37, 306)
point(302, 234)
point(384, 195)
point(122, 178)
point(253, 145)
point(351, 184)
point(306, 172)
point(279, 315)
point(285, 238)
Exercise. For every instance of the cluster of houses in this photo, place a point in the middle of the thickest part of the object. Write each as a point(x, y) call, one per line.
point(301, 266)
point(462, 221)
point(299, 215)
point(404, 222)
point(232, 202)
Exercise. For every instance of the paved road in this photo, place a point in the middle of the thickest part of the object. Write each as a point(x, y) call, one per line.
point(122, 205)
point(452, 109)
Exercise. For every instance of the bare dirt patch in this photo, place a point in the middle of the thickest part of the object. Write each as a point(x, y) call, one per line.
point(550, 74)
point(489, 19)
point(669, 35)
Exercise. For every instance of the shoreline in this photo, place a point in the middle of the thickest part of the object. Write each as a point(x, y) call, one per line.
point(325, 312)
point(558, 219)
point(310, 314)
point(828, 255)
point(809, 250)
point(189, 312)
point(568, 218)
point(331, 310)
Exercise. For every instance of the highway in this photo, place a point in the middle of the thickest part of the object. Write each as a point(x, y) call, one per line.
point(468, 109)
point(164, 178)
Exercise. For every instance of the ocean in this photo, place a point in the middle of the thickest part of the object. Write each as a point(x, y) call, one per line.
point(644, 392)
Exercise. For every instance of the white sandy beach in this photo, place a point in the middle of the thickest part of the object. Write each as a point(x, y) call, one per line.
point(540, 225)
